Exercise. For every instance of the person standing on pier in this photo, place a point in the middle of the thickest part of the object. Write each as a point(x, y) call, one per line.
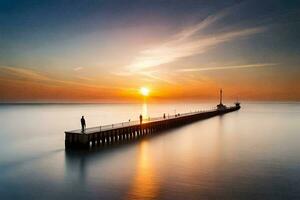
point(141, 118)
point(82, 124)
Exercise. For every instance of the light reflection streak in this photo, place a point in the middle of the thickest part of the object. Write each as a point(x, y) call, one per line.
point(145, 111)
point(144, 185)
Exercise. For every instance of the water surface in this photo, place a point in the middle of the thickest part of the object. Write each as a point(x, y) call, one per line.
point(253, 153)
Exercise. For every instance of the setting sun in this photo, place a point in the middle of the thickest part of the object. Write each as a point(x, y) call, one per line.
point(144, 91)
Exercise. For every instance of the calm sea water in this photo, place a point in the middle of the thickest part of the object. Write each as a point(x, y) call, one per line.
point(253, 153)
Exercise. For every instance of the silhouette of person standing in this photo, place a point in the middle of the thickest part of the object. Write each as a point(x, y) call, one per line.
point(141, 119)
point(82, 124)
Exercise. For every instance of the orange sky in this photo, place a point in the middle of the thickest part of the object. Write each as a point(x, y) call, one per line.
point(26, 85)
point(180, 52)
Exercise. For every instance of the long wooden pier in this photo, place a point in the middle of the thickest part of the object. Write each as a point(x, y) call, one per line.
point(115, 133)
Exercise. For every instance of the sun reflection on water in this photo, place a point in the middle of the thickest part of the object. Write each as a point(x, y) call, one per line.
point(144, 184)
point(145, 110)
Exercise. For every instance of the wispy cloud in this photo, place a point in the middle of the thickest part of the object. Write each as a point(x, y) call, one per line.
point(28, 75)
point(257, 65)
point(22, 74)
point(154, 76)
point(149, 74)
point(186, 43)
point(191, 30)
point(78, 68)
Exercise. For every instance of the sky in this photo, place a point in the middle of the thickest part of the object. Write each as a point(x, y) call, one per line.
point(105, 50)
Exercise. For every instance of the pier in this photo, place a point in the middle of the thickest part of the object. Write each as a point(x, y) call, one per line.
point(126, 131)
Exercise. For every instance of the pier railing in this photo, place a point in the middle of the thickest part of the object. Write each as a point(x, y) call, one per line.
point(137, 122)
point(131, 130)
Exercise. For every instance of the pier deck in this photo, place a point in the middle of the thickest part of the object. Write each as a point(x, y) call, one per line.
point(132, 130)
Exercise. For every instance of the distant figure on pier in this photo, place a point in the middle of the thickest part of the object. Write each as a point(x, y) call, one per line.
point(141, 118)
point(82, 124)
point(164, 115)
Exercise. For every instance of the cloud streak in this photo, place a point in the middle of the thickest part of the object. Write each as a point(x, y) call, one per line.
point(78, 68)
point(22, 74)
point(28, 75)
point(188, 42)
point(257, 65)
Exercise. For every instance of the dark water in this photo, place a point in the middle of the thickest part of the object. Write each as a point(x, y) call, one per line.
point(250, 154)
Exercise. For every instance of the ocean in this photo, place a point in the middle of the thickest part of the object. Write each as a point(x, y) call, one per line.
point(253, 153)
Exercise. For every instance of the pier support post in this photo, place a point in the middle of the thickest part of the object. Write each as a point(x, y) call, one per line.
point(83, 141)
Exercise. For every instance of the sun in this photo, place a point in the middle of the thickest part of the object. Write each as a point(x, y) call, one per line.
point(144, 91)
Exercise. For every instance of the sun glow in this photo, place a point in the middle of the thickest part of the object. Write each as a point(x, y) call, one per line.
point(144, 91)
